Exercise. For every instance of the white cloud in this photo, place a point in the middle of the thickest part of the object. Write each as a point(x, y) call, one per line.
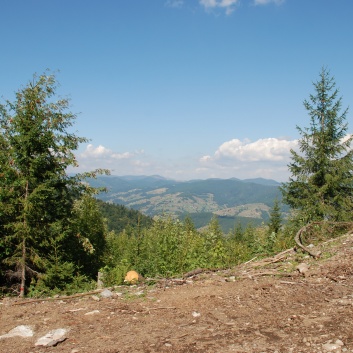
point(103, 152)
point(228, 5)
point(270, 149)
point(96, 157)
point(265, 2)
point(267, 158)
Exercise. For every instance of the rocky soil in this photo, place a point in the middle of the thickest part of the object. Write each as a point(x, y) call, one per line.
point(262, 306)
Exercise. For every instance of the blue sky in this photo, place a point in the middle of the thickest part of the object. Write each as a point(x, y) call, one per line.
point(182, 88)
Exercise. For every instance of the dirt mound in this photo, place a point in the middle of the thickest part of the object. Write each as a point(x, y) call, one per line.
point(261, 306)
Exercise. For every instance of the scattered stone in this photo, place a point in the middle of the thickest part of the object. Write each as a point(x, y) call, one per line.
point(73, 310)
point(195, 314)
point(19, 331)
point(333, 347)
point(339, 342)
point(303, 268)
point(106, 293)
point(93, 312)
point(52, 338)
point(95, 297)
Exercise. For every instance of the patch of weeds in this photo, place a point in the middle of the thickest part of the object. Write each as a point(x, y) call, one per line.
point(134, 296)
point(325, 255)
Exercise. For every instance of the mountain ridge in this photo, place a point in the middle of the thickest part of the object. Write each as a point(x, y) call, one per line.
point(231, 200)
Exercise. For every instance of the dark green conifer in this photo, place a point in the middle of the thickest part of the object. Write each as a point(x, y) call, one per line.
point(275, 221)
point(36, 193)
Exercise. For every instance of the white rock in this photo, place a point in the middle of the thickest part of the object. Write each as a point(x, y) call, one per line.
point(95, 297)
point(331, 347)
point(21, 331)
point(302, 268)
point(52, 338)
point(106, 293)
point(93, 312)
point(195, 314)
point(339, 342)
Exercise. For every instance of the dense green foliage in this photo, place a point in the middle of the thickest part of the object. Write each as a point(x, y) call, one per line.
point(226, 222)
point(119, 218)
point(321, 183)
point(171, 248)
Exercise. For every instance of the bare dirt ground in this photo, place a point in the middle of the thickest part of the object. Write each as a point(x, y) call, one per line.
point(263, 306)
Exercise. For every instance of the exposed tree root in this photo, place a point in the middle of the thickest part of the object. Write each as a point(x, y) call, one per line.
point(316, 254)
point(298, 241)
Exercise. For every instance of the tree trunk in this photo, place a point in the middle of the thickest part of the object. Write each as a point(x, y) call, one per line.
point(23, 269)
point(24, 252)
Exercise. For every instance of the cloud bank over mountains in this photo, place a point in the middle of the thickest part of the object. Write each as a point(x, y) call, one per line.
point(269, 149)
point(267, 157)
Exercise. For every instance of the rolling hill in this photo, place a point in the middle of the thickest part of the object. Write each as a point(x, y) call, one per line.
point(231, 200)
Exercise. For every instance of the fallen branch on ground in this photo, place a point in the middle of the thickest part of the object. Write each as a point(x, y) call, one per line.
point(267, 273)
point(78, 295)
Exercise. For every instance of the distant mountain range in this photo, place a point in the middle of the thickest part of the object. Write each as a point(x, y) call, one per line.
point(232, 200)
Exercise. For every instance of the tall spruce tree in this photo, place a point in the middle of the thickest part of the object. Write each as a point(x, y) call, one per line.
point(275, 221)
point(36, 193)
point(321, 182)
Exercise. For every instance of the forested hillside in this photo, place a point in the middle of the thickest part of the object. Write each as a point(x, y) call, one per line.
point(119, 218)
point(231, 200)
